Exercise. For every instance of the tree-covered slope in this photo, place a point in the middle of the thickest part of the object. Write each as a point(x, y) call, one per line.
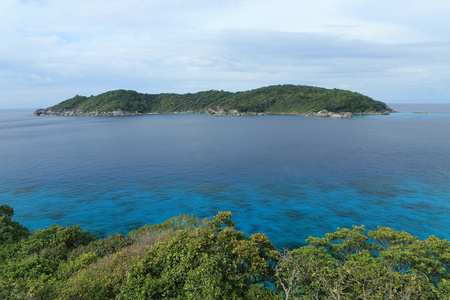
point(274, 99)
point(190, 258)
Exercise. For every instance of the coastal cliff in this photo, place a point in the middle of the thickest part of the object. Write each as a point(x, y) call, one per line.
point(272, 100)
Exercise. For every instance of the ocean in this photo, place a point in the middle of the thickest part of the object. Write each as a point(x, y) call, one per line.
point(289, 177)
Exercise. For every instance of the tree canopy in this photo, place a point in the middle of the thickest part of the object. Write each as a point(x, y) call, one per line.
point(190, 258)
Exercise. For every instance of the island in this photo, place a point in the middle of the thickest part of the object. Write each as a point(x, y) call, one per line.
point(271, 100)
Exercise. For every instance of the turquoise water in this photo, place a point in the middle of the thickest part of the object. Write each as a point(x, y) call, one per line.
point(286, 176)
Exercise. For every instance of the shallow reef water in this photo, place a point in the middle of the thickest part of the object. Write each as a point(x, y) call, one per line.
point(289, 177)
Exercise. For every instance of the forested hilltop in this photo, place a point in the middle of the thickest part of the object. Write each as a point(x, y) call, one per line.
point(280, 99)
point(190, 258)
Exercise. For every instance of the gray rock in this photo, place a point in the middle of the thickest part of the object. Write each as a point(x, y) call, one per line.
point(342, 115)
point(118, 112)
point(39, 112)
point(322, 113)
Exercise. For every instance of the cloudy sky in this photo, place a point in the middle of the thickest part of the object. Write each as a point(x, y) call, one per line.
point(391, 50)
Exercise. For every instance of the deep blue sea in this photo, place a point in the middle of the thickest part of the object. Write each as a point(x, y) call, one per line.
point(286, 176)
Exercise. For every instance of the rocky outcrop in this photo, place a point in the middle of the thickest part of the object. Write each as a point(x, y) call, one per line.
point(219, 111)
point(40, 112)
point(379, 113)
point(326, 113)
point(118, 112)
point(78, 112)
point(343, 115)
point(232, 112)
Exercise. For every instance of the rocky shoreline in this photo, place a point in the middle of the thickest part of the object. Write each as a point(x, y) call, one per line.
point(213, 112)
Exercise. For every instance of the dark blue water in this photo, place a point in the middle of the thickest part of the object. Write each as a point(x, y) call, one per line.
point(286, 176)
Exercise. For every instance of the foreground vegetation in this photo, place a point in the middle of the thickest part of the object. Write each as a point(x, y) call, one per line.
point(188, 258)
point(274, 99)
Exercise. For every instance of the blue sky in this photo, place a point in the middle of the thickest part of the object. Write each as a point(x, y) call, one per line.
point(393, 51)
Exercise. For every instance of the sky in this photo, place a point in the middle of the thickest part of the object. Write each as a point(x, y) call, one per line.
point(391, 50)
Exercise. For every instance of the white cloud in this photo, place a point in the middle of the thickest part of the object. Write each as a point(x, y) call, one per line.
point(86, 47)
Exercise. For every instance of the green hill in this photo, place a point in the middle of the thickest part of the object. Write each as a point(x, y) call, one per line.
point(271, 99)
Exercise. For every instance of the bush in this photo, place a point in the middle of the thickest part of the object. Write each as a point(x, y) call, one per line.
point(212, 262)
point(102, 247)
point(188, 258)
